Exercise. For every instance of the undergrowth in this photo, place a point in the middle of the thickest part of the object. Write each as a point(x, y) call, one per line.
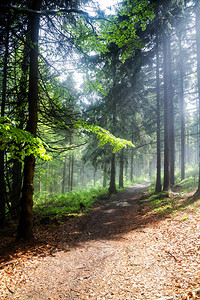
point(170, 202)
point(56, 206)
point(187, 185)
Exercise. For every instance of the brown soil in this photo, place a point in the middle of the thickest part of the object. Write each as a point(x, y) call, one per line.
point(115, 252)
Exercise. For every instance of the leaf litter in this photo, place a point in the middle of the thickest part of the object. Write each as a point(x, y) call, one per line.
point(113, 252)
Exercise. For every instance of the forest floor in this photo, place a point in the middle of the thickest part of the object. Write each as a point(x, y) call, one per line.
point(121, 249)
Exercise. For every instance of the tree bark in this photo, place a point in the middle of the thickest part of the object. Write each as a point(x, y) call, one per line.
point(16, 188)
point(69, 173)
point(112, 187)
point(25, 227)
point(198, 75)
point(2, 153)
point(104, 175)
point(171, 116)
point(94, 176)
point(132, 155)
point(17, 165)
point(121, 169)
point(166, 184)
point(158, 173)
point(197, 135)
point(182, 106)
point(72, 172)
point(64, 174)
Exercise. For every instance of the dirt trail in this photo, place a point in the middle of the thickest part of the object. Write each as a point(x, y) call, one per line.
point(115, 252)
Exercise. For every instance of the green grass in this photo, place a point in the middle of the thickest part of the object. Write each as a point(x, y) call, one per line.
point(161, 203)
point(165, 203)
point(187, 185)
point(55, 206)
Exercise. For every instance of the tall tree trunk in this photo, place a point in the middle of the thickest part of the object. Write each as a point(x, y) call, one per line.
point(182, 106)
point(64, 174)
point(47, 177)
point(2, 153)
point(25, 227)
point(83, 177)
point(104, 174)
point(188, 146)
point(131, 171)
point(132, 155)
point(71, 167)
point(171, 116)
point(72, 172)
point(121, 169)
point(16, 188)
point(198, 75)
point(69, 173)
point(166, 184)
point(17, 165)
point(158, 173)
point(197, 135)
point(126, 170)
point(112, 187)
point(94, 176)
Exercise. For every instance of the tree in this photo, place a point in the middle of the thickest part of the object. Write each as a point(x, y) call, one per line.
point(158, 174)
point(26, 215)
point(118, 42)
point(182, 106)
point(171, 116)
point(166, 184)
point(197, 25)
point(2, 152)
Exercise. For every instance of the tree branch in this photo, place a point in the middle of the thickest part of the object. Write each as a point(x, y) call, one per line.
point(20, 10)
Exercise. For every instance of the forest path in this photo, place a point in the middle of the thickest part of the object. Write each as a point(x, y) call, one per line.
point(115, 252)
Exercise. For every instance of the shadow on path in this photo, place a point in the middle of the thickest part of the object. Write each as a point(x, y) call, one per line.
point(109, 219)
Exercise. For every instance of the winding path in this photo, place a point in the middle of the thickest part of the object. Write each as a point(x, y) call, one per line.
point(116, 252)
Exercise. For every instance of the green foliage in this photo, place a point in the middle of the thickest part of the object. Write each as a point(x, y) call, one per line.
point(19, 143)
point(158, 196)
point(165, 208)
point(187, 185)
point(105, 137)
point(71, 203)
point(120, 29)
point(161, 203)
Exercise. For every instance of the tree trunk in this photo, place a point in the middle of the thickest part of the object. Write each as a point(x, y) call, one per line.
point(94, 176)
point(197, 136)
point(121, 169)
point(166, 184)
point(47, 177)
point(69, 174)
point(182, 105)
point(2, 190)
point(158, 174)
point(16, 188)
point(2, 153)
point(171, 116)
point(17, 165)
point(104, 175)
point(25, 230)
point(112, 187)
point(188, 146)
point(198, 75)
point(132, 155)
point(64, 174)
point(72, 172)
point(83, 177)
